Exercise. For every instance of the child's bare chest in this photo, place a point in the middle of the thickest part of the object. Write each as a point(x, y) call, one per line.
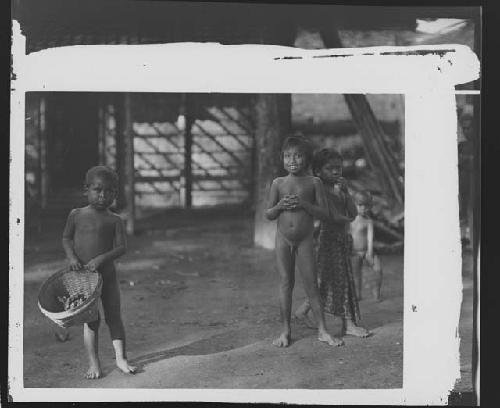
point(359, 226)
point(98, 226)
point(304, 189)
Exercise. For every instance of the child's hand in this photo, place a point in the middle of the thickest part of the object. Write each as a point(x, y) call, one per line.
point(293, 201)
point(288, 202)
point(74, 264)
point(299, 202)
point(341, 182)
point(282, 204)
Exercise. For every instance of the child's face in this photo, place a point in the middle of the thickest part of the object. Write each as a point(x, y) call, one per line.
point(331, 171)
point(363, 208)
point(100, 193)
point(294, 160)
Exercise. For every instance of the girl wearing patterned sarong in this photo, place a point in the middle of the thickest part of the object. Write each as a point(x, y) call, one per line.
point(336, 283)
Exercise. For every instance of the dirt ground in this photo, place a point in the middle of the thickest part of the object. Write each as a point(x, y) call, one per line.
point(200, 309)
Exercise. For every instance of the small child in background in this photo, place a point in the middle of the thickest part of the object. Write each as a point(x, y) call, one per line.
point(92, 239)
point(362, 236)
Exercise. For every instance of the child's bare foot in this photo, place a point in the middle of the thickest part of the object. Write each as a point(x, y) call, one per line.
point(357, 331)
point(305, 319)
point(125, 367)
point(93, 373)
point(332, 341)
point(283, 340)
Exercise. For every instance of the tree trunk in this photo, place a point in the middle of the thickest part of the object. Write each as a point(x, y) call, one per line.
point(273, 125)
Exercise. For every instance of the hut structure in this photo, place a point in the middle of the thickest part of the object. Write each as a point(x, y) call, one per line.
point(186, 150)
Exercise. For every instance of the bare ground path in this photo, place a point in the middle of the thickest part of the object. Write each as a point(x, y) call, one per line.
point(200, 309)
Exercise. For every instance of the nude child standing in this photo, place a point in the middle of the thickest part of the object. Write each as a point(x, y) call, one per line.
point(295, 201)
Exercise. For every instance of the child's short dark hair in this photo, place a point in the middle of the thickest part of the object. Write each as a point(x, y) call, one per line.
point(301, 143)
point(104, 172)
point(323, 156)
point(363, 197)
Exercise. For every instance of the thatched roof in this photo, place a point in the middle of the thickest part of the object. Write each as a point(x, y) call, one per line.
point(52, 23)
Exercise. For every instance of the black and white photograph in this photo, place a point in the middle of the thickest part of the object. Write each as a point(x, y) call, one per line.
point(231, 240)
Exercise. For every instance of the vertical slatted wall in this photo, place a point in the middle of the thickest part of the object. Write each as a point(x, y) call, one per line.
point(221, 133)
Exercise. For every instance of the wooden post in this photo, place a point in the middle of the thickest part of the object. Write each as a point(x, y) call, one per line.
point(188, 148)
point(252, 195)
point(273, 125)
point(119, 155)
point(128, 163)
point(43, 161)
point(101, 134)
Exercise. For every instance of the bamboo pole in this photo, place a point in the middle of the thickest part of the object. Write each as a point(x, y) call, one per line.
point(380, 158)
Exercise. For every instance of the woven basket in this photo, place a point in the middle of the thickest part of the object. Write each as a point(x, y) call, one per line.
point(69, 283)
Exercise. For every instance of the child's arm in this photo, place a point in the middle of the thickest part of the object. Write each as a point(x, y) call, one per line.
point(67, 243)
point(369, 238)
point(352, 211)
point(350, 206)
point(319, 208)
point(119, 248)
point(336, 215)
point(274, 204)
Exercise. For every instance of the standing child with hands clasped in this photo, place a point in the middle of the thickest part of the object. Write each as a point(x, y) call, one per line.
point(336, 283)
point(362, 236)
point(295, 201)
point(93, 238)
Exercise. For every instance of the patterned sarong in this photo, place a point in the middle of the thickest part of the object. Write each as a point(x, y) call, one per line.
point(336, 283)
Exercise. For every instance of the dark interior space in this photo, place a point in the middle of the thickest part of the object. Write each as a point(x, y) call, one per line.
point(73, 138)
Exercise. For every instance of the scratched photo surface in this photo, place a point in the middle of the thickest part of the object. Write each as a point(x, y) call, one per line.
point(199, 283)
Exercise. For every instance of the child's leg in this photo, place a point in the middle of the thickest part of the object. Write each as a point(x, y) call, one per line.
point(349, 324)
point(302, 314)
point(357, 266)
point(307, 268)
point(285, 264)
point(377, 270)
point(303, 309)
point(111, 304)
point(61, 334)
point(90, 339)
